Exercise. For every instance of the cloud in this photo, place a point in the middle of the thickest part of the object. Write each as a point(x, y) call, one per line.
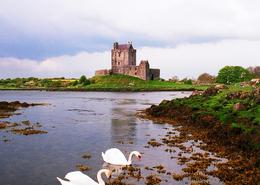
point(67, 66)
point(56, 27)
point(186, 60)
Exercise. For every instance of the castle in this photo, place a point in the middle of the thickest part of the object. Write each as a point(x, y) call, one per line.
point(123, 61)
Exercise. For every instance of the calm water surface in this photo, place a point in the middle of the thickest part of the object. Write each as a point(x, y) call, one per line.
point(79, 123)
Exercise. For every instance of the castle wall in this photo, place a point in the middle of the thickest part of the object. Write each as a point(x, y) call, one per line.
point(154, 74)
point(102, 72)
point(143, 70)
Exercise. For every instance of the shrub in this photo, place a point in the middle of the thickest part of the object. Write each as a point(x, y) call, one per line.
point(187, 81)
point(82, 79)
point(74, 83)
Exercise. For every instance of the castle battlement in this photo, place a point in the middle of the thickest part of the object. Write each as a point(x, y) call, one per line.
point(123, 61)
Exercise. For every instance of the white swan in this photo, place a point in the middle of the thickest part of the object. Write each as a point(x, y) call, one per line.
point(79, 178)
point(116, 157)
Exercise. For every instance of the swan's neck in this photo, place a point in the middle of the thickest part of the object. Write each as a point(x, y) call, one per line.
point(130, 158)
point(99, 178)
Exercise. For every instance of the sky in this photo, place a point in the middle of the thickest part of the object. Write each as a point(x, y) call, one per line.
point(70, 38)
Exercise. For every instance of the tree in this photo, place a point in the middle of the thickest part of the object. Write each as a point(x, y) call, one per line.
point(233, 74)
point(187, 81)
point(83, 80)
point(206, 78)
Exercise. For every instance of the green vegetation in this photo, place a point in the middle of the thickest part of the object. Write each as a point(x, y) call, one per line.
point(98, 83)
point(233, 74)
point(129, 83)
point(34, 83)
point(83, 80)
point(236, 108)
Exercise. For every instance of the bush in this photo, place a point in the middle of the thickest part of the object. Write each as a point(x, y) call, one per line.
point(74, 83)
point(83, 80)
point(87, 82)
point(187, 81)
point(233, 74)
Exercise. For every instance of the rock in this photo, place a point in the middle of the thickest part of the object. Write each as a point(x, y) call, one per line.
point(221, 86)
point(211, 91)
point(234, 95)
point(256, 91)
point(195, 93)
point(256, 95)
point(257, 99)
point(164, 102)
point(239, 106)
point(244, 95)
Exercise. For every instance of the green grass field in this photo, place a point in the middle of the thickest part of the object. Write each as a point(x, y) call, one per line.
point(115, 82)
point(129, 83)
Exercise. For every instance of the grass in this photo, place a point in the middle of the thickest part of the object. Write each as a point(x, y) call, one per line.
point(220, 106)
point(114, 82)
point(129, 83)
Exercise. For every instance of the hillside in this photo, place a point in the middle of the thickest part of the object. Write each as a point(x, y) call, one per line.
point(128, 83)
point(97, 83)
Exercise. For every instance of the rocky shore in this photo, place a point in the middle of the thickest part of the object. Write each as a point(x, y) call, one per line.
point(227, 120)
point(8, 109)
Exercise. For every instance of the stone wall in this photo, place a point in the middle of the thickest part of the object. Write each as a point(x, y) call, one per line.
point(102, 72)
point(154, 74)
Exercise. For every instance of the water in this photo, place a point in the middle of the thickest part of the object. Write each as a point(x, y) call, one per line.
point(79, 123)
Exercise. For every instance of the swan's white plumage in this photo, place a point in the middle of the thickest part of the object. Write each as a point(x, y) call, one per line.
point(63, 182)
point(114, 156)
point(79, 178)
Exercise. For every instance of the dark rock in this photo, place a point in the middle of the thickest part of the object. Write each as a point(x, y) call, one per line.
point(257, 99)
point(164, 102)
point(211, 91)
point(244, 95)
point(239, 106)
point(195, 93)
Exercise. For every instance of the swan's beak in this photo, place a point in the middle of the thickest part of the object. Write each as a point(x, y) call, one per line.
point(139, 157)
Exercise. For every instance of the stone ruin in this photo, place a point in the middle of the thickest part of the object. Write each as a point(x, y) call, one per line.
point(123, 61)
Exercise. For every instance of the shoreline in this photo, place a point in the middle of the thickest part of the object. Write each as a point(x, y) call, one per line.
point(240, 167)
point(101, 90)
point(243, 161)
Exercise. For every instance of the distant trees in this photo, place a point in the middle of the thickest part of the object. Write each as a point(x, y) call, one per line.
point(255, 71)
point(186, 81)
point(174, 79)
point(206, 78)
point(233, 74)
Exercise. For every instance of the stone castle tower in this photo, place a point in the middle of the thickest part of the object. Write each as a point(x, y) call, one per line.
point(123, 61)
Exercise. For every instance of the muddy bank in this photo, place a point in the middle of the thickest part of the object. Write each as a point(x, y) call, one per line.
point(239, 145)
